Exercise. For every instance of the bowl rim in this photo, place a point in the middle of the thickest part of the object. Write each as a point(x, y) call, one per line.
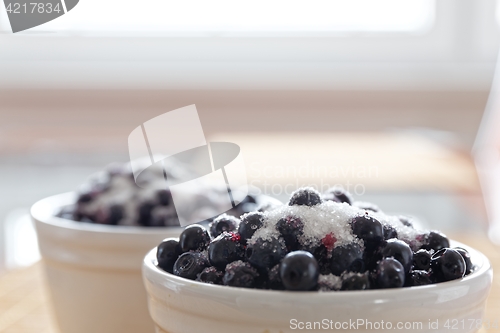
point(151, 269)
point(42, 211)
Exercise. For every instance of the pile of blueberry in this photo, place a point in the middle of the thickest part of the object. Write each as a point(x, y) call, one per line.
point(112, 197)
point(255, 251)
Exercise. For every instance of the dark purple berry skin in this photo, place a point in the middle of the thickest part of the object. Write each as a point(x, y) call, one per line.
point(274, 279)
point(190, 264)
point(390, 274)
point(194, 238)
point(436, 241)
point(369, 230)
point(399, 250)
point(223, 223)
point(356, 282)
point(290, 228)
point(299, 271)
point(418, 278)
point(338, 194)
point(447, 264)
point(210, 275)
point(85, 197)
point(422, 260)
point(164, 197)
point(323, 257)
point(248, 204)
point(110, 215)
point(167, 254)
point(264, 254)
point(224, 249)
point(249, 224)
point(116, 213)
point(466, 256)
point(366, 206)
point(145, 209)
point(306, 196)
point(389, 232)
point(240, 274)
point(347, 258)
point(406, 221)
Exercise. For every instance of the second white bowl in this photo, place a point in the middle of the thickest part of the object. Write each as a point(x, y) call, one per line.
point(94, 271)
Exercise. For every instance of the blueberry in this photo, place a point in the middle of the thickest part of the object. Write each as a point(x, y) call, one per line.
point(366, 206)
point(248, 204)
point(274, 279)
point(249, 199)
point(144, 213)
point(290, 228)
point(389, 232)
point(164, 197)
point(348, 258)
point(249, 224)
point(400, 251)
point(338, 194)
point(223, 223)
point(190, 264)
point(306, 196)
point(447, 264)
point(390, 274)
point(265, 253)
point(371, 257)
point(406, 221)
point(418, 278)
point(167, 253)
point(240, 274)
point(466, 256)
point(323, 257)
point(299, 271)
point(422, 260)
point(356, 281)
point(210, 275)
point(368, 229)
point(224, 249)
point(436, 241)
point(85, 197)
point(194, 238)
point(110, 215)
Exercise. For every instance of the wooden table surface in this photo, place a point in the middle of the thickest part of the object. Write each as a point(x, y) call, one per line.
point(24, 303)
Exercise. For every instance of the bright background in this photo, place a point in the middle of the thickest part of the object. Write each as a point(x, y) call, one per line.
point(396, 85)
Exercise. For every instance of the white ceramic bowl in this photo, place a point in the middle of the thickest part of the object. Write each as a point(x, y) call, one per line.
point(94, 271)
point(179, 305)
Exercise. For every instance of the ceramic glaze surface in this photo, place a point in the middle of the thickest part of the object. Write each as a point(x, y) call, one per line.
point(94, 271)
point(179, 305)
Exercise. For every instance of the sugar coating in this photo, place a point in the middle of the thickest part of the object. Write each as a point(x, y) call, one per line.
point(122, 190)
point(329, 218)
point(405, 233)
point(329, 282)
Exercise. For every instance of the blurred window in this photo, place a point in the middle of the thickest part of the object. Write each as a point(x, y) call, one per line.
point(229, 16)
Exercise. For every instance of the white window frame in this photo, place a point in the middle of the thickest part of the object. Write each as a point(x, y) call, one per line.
point(458, 53)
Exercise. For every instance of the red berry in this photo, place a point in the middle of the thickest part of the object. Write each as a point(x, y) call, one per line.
point(235, 237)
point(329, 241)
